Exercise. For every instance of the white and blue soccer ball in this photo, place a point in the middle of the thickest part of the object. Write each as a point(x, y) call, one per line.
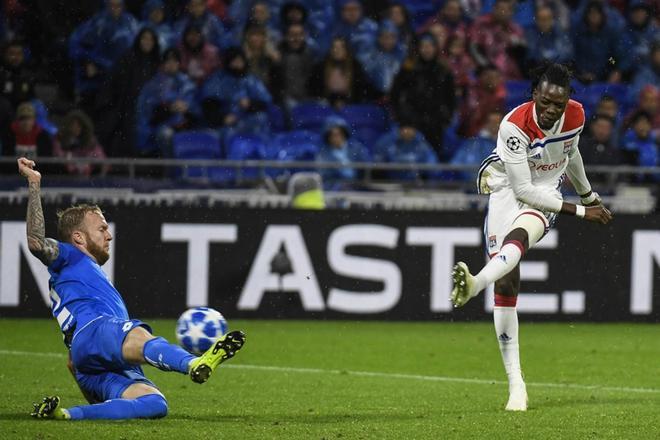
point(199, 328)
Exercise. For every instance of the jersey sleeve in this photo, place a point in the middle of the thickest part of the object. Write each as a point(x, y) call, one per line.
point(63, 257)
point(512, 143)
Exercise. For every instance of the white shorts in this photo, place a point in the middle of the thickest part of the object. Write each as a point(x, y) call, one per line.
point(503, 210)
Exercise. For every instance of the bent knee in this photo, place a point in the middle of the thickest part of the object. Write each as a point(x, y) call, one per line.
point(154, 406)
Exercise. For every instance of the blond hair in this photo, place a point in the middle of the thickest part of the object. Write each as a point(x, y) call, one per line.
point(71, 219)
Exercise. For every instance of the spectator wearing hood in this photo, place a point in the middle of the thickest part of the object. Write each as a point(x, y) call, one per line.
point(596, 46)
point(291, 74)
point(383, 59)
point(165, 106)
point(97, 44)
point(475, 149)
point(613, 16)
point(154, 16)
point(75, 139)
point(260, 53)
point(423, 91)
point(234, 98)
point(496, 39)
point(451, 18)
point(648, 74)
point(199, 58)
point(639, 38)
point(398, 14)
point(404, 144)
point(116, 101)
point(353, 26)
point(546, 41)
point(339, 147)
point(197, 14)
point(340, 78)
point(257, 13)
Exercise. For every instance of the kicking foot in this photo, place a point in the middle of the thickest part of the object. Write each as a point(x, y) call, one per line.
point(517, 398)
point(49, 408)
point(465, 287)
point(225, 348)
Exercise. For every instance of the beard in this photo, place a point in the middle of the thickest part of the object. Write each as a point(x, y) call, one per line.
point(100, 254)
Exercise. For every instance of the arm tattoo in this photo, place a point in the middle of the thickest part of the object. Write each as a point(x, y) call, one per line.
point(45, 249)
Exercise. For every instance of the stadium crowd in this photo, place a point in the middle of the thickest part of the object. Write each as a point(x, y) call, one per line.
point(342, 81)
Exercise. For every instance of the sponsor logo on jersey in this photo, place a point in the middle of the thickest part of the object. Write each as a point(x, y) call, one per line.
point(546, 166)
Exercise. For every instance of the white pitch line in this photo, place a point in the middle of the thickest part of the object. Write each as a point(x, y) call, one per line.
point(388, 375)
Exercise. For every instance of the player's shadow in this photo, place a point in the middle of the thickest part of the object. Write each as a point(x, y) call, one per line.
point(302, 418)
point(585, 400)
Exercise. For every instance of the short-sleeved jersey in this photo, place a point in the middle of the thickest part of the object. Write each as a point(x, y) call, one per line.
point(81, 292)
point(520, 139)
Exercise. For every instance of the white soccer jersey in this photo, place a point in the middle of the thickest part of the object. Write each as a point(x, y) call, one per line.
point(520, 139)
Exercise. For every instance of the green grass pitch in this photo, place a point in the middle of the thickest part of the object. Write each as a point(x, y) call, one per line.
point(366, 380)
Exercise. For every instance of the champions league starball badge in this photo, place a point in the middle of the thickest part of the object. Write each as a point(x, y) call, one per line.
point(513, 143)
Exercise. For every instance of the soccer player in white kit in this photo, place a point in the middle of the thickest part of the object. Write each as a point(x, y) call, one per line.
point(537, 145)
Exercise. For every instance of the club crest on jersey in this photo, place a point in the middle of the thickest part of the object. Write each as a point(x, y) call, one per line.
point(567, 146)
point(513, 143)
point(492, 241)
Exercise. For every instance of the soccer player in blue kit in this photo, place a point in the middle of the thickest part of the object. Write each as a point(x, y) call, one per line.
point(106, 346)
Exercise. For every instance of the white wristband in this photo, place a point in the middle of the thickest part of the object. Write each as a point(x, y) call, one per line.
point(580, 211)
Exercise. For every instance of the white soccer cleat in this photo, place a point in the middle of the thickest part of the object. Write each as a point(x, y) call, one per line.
point(465, 287)
point(517, 397)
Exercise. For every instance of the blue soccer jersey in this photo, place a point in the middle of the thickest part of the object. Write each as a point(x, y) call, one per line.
point(81, 292)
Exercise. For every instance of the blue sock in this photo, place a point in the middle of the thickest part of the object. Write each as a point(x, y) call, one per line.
point(151, 406)
point(165, 356)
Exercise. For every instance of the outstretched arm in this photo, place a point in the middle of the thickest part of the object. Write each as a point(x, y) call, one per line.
point(578, 176)
point(45, 249)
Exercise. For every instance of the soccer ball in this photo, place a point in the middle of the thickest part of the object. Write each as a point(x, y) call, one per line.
point(198, 328)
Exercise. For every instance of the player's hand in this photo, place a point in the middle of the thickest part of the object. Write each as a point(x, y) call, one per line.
point(26, 169)
point(598, 214)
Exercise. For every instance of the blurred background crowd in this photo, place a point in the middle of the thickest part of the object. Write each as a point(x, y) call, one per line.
point(412, 81)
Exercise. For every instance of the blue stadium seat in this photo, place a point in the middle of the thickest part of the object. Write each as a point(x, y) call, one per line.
point(195, 145)
point(240, 147)
point(310, 116)
point(517, 92)
point(276, 119)
point(296, 145)
point(365, 115)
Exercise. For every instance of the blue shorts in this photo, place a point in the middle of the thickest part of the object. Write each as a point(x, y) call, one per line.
point(96, 352)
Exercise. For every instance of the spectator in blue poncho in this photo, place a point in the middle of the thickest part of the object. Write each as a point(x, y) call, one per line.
point(613, 16)
point(197, 14)
point(640, 143)
point(648, 74)
point(154, 17)
point(404, 144)
point(639, 37)
point(165, 106)
point(233, 98)
point(596, 45)
point(382, 60)
point(359, 31)
point(98, 43)
point(339, 147)
point(474, 150)
point(546, 41)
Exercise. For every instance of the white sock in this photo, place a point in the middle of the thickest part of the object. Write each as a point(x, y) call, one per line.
point(501, 264)
point(506, 328)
